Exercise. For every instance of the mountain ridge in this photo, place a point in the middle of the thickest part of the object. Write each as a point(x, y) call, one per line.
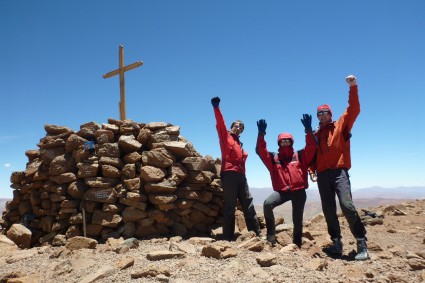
point(363, 198)
point(260, 194)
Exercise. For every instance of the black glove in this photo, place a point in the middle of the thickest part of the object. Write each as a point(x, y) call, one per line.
point(306, 120)
point(262, 126)
point(215, 101)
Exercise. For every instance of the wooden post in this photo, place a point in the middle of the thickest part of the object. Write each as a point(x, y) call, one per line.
point(84, 223)
point(120, 71)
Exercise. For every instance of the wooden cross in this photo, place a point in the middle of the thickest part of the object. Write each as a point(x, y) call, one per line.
point(120, 71)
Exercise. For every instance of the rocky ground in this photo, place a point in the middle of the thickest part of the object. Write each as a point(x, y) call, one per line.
point(396, 242)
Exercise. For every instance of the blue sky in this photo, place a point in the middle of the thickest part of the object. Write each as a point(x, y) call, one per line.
point(272, 60)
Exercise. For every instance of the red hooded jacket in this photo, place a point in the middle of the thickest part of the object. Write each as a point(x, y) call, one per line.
point(334, 138)
point(233, 157)
point(288, 170)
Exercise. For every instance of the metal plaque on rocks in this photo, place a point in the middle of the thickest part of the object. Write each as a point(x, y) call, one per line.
point(106, 195)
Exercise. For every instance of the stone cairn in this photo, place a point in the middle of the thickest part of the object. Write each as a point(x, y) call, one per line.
point(142, 180)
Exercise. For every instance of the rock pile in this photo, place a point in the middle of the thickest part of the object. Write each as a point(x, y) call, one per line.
point(140, 180)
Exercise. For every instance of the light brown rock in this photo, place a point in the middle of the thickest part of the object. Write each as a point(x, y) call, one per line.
point(164, 254)
point(78, 243)
point(20, 235)
point(125, 262)
point(266, 260)
point(219, 250)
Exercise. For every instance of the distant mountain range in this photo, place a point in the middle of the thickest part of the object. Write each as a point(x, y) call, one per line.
point(260, 194)
point(3, 204)
point(363, 198)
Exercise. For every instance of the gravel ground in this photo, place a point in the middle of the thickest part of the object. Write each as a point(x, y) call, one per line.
point(394, 246)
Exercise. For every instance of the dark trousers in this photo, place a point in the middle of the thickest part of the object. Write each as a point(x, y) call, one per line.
point(298, 199)
point(235, 187)
point(337, 182)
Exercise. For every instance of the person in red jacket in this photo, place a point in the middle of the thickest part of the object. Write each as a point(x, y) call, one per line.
point(233, 179)
point(332, 163)
point(289, 176)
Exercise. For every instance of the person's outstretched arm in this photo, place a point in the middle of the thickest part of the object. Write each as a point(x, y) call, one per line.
point(353, 110)
point(261, 147)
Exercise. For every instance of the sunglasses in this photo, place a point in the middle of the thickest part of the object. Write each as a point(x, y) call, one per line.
point(285, 141)
point(321, 113)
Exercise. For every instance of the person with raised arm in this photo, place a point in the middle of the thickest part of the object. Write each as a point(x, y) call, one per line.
point(333, 160)
point(289, 175)
point(233, 178)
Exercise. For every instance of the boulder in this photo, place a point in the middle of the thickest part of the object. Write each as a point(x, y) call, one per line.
point(20, 235)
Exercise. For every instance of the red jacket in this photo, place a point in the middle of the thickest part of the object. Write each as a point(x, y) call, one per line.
point(288, 175)
point(233, 157)
point(334, 139)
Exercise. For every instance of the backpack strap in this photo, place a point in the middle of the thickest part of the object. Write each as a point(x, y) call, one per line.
point(347, 134)
point(299, 154)
point(274, 157)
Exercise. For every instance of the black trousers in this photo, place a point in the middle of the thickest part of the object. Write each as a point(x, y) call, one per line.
point(333, 182)
point(298, 199)
point(235, 187)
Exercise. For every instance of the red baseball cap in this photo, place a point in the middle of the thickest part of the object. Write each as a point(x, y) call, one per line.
point(324, 107)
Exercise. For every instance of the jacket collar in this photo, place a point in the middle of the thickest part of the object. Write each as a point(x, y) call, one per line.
point(286, 153)
point(324, 126)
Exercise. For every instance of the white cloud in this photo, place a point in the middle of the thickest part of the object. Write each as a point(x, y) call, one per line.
point(7, 165)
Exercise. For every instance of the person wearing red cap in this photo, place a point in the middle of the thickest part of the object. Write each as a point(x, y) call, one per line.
point(331, 167)
point(289, 176)
point(233, 179)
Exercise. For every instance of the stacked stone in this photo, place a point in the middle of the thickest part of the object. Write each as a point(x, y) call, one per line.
point(142, 180)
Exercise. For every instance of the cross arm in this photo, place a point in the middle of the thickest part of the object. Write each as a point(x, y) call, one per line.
point(124, 69)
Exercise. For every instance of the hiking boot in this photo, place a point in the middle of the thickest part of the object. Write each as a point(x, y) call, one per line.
point(335, 248)
point(297, 242)
point(271, 239)
point(362, 253)
point(297, 239)
point(260, 235)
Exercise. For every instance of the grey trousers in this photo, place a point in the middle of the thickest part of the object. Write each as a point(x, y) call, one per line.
point(333, 182)
point(235, 187)
point(298, 199)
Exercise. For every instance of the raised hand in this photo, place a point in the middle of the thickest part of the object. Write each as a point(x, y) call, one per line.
point(351, 80)
point(215, 101)
point(262, 126)
point(306, 120)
